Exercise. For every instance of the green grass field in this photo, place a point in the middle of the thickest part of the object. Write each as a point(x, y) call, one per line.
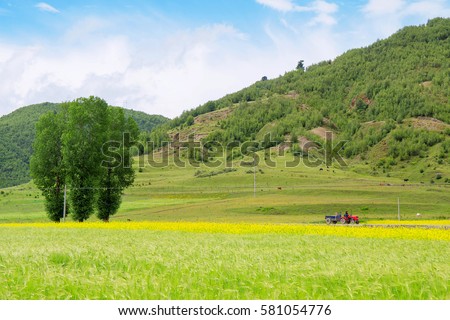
point(68, 263)
point(283, 195)
point(49, 263)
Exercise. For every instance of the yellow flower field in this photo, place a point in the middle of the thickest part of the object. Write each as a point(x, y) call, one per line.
point(412, 222)
point(380, 232)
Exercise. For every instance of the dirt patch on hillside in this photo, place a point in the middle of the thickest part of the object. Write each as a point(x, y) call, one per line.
point(292, 95)
point(305, 143)
point(184, 136)
point(373, 124)
point(283, 147)
point(362, 98)
point(322, 132)
point(427, 123)
point(214, 116)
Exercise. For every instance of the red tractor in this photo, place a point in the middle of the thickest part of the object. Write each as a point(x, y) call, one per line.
point(349, 219)
point(344, 219)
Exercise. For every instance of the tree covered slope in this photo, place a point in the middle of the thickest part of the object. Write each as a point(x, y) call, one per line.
point(390, 101)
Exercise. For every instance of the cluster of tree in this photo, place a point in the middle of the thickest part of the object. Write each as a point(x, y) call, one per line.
point(145, 122)
point(153, 140)
point(364, 138)
point(17, 130)
point(248, 119)
point(86, 145)
point(405, 143)
point(445, 150)
point(17, 134)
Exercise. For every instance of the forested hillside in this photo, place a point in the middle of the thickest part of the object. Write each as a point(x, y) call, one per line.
point(17, 132)
point(390, 100)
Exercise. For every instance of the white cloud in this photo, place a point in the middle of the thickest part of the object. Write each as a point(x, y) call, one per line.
point(427, 9)
point(280, 5)
point(86, 27)
point(160, 70)
point(402, 8)
point(382, 7)
point(161, 74)
point(385, 17)
point(323, 10)
point(154, 65)
point(311, 45)
point(46, 7)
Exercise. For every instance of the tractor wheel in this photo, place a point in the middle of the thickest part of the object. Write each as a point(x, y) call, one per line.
point(343, 221)
point(352, 221)
point(328, 220)
point(334, 222)
point(357, 221)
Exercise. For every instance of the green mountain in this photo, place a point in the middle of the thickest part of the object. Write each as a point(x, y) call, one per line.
point(17, 130)
point(389, 100)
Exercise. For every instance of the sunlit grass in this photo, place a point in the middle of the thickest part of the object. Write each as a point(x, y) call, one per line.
point(111, 262)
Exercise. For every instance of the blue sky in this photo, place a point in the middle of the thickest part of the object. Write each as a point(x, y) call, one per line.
point(163, 57)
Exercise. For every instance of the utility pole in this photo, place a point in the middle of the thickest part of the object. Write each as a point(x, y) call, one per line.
point(254, 179)
point(65, 201)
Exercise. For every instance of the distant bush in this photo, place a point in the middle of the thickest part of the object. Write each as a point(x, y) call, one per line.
point(204, 174)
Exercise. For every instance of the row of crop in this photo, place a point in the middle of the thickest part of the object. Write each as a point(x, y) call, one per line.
point(246, 228)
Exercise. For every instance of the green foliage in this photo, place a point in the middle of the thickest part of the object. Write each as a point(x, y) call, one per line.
point(144, 121)
point(189, 121)
point(86, 145)
point(83, 137)
point(17, 130)
point(157, 138)
point(364, 138)
point(47, 166)
point(206, 174)
point(405, 143)
point(300, 65)
point(116, 172)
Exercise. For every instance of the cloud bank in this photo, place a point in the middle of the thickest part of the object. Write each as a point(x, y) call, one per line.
point(154, 63)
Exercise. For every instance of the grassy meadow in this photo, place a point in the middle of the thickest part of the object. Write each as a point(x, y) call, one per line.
point(185, 261)
point(283, 195)
point(180, 236)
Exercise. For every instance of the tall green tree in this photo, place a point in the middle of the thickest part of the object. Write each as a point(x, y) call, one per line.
point(301, 65)
point(46, 164)
point(116, 168)
point(83, 137)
